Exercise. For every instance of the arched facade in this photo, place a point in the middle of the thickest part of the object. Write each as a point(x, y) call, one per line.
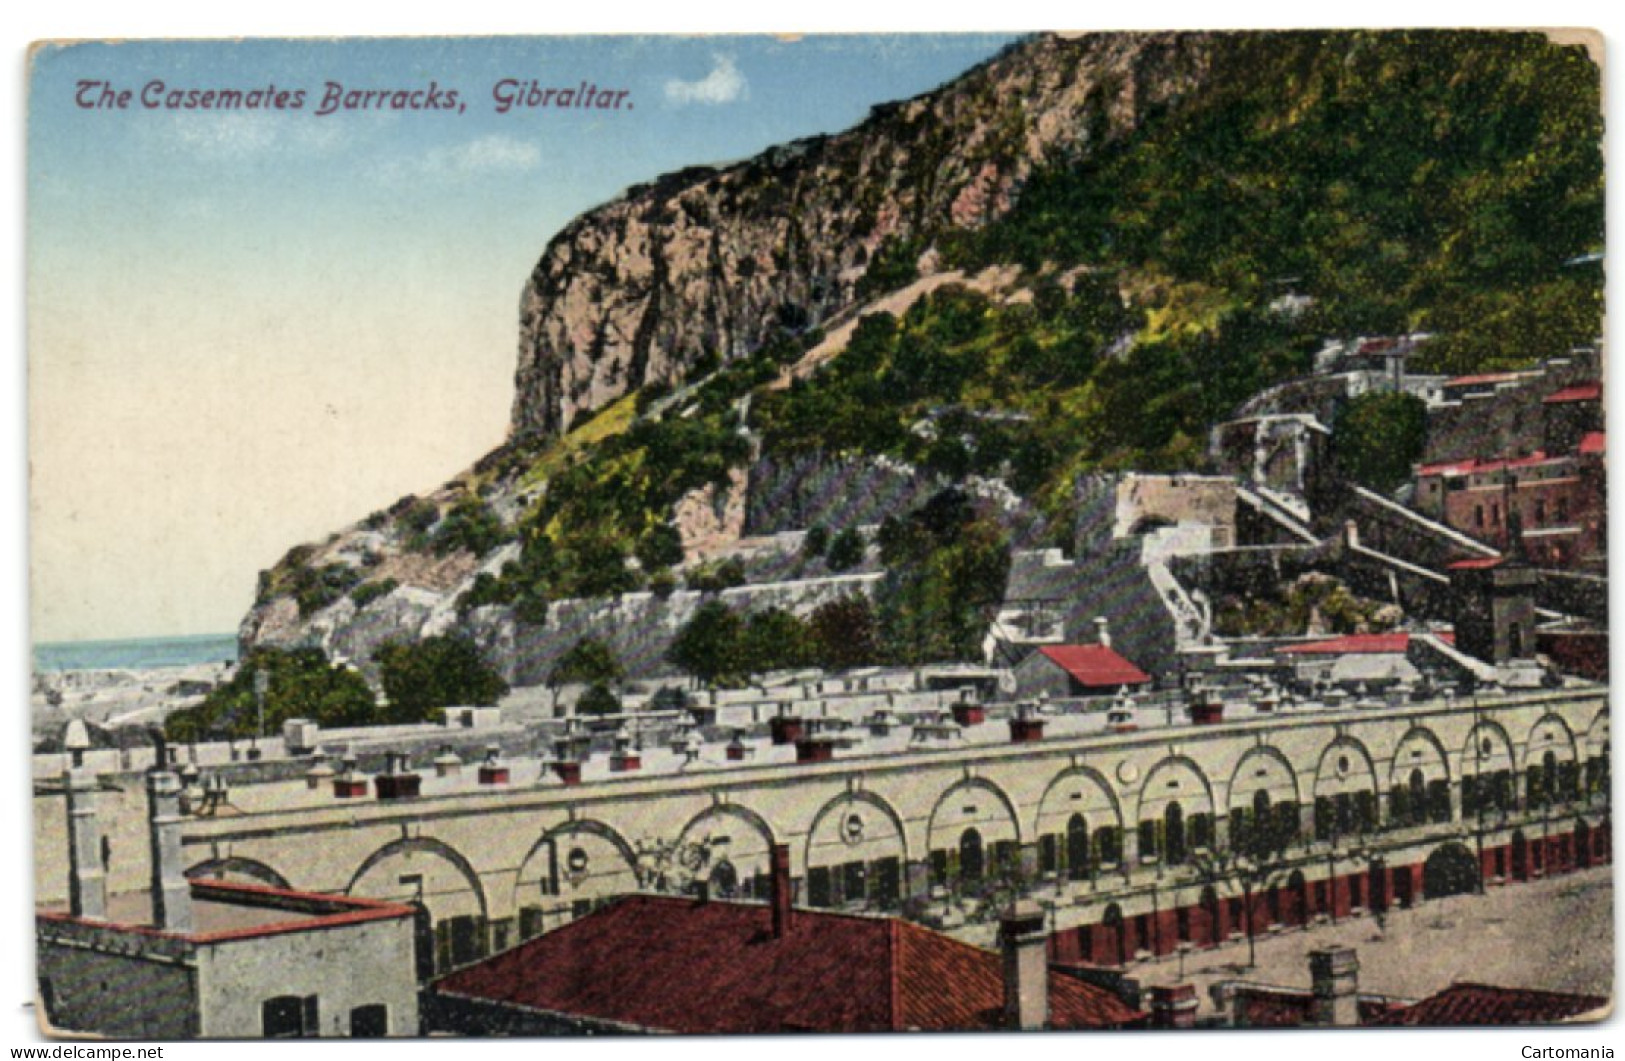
point(1175, 812)
point(1419, 781)
point(568, 869)
point(436, 877)
point(240, 870)
point(857, 853)
point(1079, 826)
point(1345, 791)
point(1263, 809)
point(974, 830)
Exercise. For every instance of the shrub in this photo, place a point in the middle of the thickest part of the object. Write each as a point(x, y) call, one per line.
point(368, 592)
point(442, 671)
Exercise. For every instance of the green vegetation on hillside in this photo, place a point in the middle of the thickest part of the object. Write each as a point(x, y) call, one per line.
point(436, 672)
point(300, 683)
point(1425, 180)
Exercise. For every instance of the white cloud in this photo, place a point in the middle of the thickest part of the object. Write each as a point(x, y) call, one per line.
point(488, 154)
point(724, 84)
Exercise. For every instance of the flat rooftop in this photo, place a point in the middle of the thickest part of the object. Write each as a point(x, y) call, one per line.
point(223, 911)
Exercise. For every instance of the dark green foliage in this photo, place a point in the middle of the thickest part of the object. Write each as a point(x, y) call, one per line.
point(815, 543)
point(470, 526)
point(588, 660)
point(660, 546)
point(444, 671)
point(708, 645)
point(314, 588)
point(718, 576)
point(598, 699)
point(301, 684)
point(593, 566)
point(842, 634)
point(1378, 437)
point(368, 592)
point(846, 551)
point(774, 639)
point(947, 567)
point(894, 265)
point(416, 517)
point(1431, 180)
point(487, 589)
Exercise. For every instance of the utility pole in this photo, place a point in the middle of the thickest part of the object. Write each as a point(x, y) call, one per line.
point(262, 683)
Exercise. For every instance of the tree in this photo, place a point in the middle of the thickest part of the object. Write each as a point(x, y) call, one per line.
point(1254, 861)
point(598, 699)
point(661, 546)
point(846, 551)
point(590, 661)
point(300, 683)
point(816, 542)
point(1379, 437)
point(842, 634)
point(442, 671)
point(774, 639)
point(708, 645)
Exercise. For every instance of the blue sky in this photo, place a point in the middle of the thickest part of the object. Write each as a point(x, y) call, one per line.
point(249, 328)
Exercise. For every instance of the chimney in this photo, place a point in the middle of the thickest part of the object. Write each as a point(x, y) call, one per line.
point(171, 891)
point(782, 891)
point(1103, 631)
point(87, 880)
point(1173, 1006)
point(1025, 950)
point(1334, 975)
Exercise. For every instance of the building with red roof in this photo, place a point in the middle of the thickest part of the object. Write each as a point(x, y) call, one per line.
point(1065, 671)
point(649, 963)
point(1482, 1004)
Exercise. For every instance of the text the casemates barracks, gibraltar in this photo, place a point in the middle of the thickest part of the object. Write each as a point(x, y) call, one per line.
point(507, 95)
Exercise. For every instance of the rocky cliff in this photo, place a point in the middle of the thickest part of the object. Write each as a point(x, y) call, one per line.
point(711, 263)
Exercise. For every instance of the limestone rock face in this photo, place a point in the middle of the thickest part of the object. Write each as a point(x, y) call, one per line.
point(710, 262)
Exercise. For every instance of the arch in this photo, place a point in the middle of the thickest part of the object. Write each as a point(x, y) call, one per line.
point(732, 810)
point(1061, 800)
point(591, 828)
point(425, 845)
point(1549, 731)
point(1151, 796)
point(1450, 869)
point(1597, 731)
point(1329, 775)
point(1474, 759)
point(1243, 783)
point(236, 869)
point(1403, 764)
point(978, 784)
point(859, 796)
point(856, 853)
point(550, 881)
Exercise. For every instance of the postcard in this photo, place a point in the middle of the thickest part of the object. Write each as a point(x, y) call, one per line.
point(831, 533)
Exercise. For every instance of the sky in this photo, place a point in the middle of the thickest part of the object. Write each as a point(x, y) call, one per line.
point(248, 328)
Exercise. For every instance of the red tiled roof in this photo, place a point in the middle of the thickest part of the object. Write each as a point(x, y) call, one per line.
point(1478, 563)
point(1486, 377)
point(1483, 1004)
point(1580, 392)
point(1095, 666)
point(1494, 464)
point(715, 968)
point(1594, 443)
point(1359, 644)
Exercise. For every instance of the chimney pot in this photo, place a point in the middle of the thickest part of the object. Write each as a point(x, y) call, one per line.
point(1334, 975)
point(1024, 948)
point(171, 891)
point(781, 893)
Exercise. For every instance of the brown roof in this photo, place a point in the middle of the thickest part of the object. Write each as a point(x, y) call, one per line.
point(1483, 1004)
point(693, 967)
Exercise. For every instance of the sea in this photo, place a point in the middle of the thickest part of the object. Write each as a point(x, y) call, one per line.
point(140, 653)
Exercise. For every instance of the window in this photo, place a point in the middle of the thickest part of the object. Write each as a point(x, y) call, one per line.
point(290, 1017)
point(820, 886)
point(369, 1022)
point(886, 882)
point(1540, 513)
point(1478, 515)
